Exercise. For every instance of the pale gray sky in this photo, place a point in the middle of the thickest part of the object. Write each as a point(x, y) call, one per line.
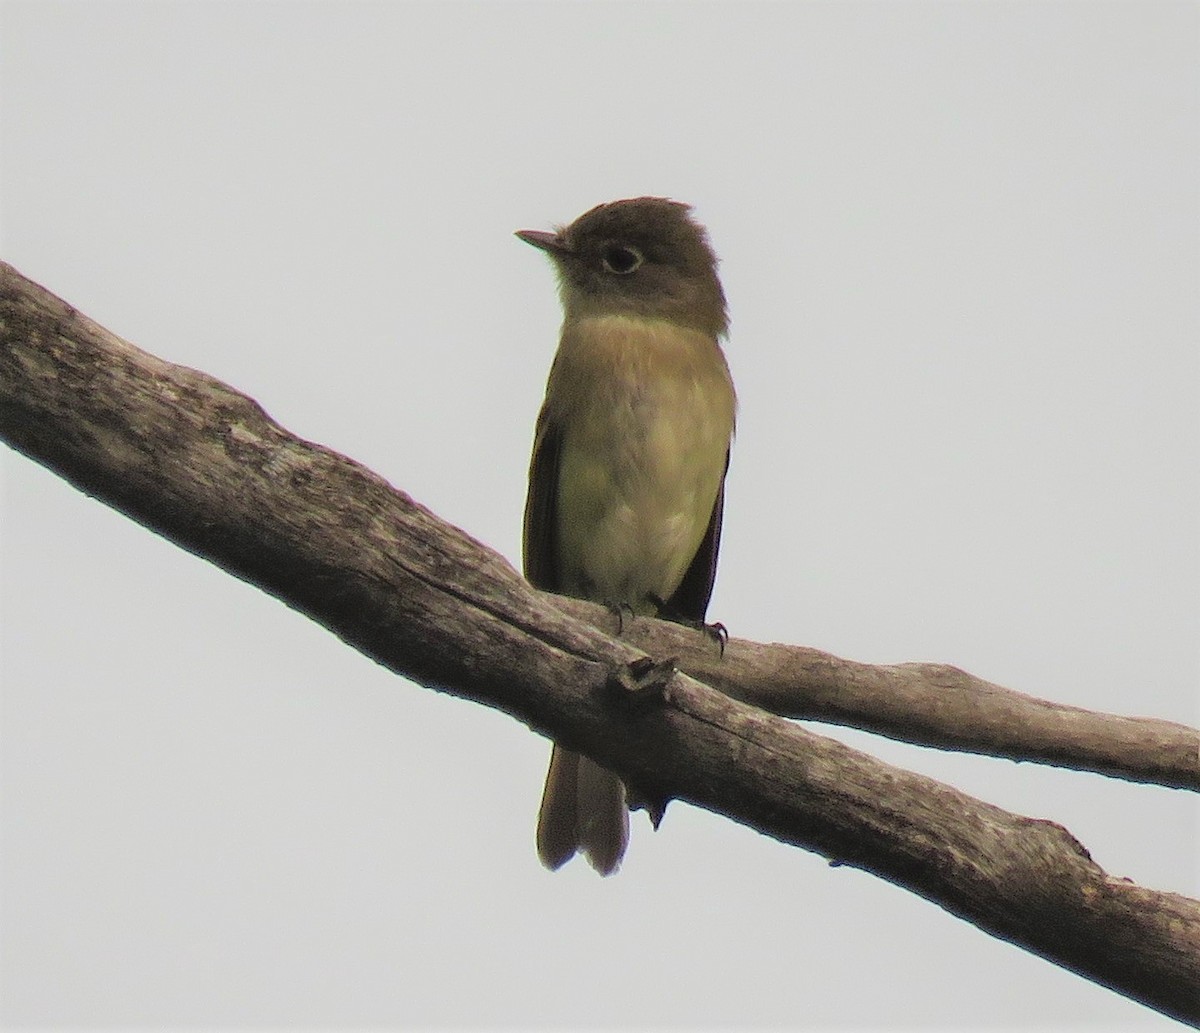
point(961, 246)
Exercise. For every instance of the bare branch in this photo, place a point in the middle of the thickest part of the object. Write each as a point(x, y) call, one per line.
point(195, 461)
point(923, 703)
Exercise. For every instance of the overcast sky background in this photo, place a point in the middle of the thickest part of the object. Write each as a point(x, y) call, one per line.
point(961, 243)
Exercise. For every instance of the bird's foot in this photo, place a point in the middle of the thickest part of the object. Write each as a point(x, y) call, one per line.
point(619, 610)
point(717, 632)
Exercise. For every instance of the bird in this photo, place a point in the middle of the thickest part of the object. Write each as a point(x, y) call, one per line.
point(631, 447)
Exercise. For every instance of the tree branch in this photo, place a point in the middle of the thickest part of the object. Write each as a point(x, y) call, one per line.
point(204, 466)
point(923, 703)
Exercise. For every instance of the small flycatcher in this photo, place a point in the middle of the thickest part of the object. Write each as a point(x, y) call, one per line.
point(627, 479)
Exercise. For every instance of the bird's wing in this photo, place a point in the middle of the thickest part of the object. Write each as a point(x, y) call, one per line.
point(541, 505)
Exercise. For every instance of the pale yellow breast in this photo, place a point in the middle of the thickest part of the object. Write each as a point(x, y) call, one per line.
point(647, 410)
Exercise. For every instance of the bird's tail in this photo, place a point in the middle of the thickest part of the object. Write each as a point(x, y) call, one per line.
point(583, 808)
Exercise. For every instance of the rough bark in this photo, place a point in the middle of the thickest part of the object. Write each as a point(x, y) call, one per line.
point(924, 703)
point(204, 466)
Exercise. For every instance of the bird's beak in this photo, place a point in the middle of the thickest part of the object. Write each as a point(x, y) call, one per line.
point(543, 240)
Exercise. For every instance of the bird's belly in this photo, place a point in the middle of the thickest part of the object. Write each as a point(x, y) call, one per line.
point(638, 482)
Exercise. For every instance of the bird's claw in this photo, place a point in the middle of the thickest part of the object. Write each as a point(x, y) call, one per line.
point(718, 633)
point(619, 610)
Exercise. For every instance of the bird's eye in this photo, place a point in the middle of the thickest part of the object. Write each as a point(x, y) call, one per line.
point(620, 259)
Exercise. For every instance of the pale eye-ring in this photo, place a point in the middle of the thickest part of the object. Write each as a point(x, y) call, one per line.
point(621, 259)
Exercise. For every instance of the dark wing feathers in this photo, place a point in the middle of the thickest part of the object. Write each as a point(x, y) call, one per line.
point(541, 505)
